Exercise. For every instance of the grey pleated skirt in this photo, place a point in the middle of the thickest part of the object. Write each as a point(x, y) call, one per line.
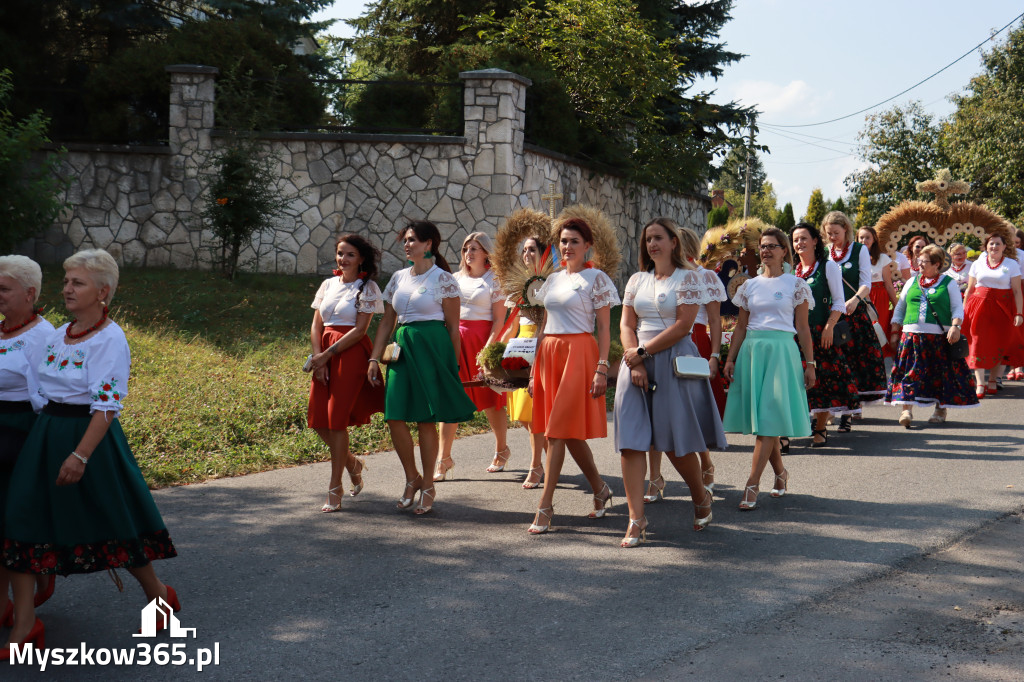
point(680, 416)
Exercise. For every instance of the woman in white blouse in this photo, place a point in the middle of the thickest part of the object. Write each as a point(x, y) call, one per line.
point(340, 395)
point(78, 502)
point(481, 315)
point(23, 335)
point(767, 393)
point(929, 312)
point(1017, 368)
point(883, 293)
point(423, 384)
point(570, 375)
point(960, 267)
point(992, 313)
point(655, 409)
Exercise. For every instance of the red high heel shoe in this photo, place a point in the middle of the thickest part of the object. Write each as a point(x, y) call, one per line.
point(41, 597)
point(37, 636)
point(172, 601)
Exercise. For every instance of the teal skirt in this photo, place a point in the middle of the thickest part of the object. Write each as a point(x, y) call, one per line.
point(767, 395)
point(11, 421)
point(106, 520)
point(424, 385)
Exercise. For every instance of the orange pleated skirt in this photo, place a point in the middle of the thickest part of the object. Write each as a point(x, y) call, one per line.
point(348, 399)
point(564, 373)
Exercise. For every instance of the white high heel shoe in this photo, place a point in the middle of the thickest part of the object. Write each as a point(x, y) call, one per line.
point(328, 507)
point(630, 541)
point(536, 529)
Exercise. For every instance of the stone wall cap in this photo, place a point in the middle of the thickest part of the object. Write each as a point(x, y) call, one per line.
point(102, 148)
point(191, 68)
point(495, 75)
point(348, 137)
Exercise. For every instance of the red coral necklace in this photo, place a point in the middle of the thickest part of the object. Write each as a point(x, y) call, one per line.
point(4, 329)
point(805, 273)
point(91, 329)
point(927, 284)
point(839, 256)
point(988, 260)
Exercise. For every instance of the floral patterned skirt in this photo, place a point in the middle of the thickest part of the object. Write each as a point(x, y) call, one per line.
point(835, 391)
point(864, 355)
point(106, 520)
point(925, 373)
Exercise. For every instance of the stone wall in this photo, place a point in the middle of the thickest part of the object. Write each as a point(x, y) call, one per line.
point(142, 204)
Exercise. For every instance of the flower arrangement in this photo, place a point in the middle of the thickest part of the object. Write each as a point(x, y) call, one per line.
point(514, 363)
point(503, 373)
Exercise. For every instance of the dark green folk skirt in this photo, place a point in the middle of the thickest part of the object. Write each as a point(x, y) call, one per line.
point(106, 520)
point(424, 385)
point(16, 421)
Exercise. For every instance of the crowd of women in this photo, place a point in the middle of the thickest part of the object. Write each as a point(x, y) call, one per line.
point(809, 345)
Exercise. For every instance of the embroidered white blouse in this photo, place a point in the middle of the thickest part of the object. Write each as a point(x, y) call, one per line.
point(478, 295)
point(572, 301)
point(19, 364)
point(710, 280)
point(417, 298)
point(772, 300)
point(92, 372)
point(962, 276)
point(655, 302)
point(336, 301)
point(998, 278)
point(877, 268)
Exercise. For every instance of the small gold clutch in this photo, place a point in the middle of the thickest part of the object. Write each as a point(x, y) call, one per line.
point(391, 353)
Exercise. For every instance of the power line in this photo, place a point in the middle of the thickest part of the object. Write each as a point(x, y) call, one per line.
point(769, 129)
point(806, 163)
point(807, 142)
point(900, 94)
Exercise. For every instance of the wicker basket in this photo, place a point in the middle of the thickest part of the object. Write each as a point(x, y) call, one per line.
point(502, 380)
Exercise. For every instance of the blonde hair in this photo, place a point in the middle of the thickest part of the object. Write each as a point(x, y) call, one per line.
point(481, 238)
point(954, 246)
point(841, 219)
point(100, 265)
point(24, 271)
point(691, 246)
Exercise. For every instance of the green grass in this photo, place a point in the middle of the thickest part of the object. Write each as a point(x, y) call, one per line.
point(216, 387)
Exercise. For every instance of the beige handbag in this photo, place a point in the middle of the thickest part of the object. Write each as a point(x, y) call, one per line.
point(392, 352)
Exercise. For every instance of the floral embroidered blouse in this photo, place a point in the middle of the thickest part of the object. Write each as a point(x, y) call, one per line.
point(92, 372)
point(19, 364)
point(655, 302)
point(336, 301)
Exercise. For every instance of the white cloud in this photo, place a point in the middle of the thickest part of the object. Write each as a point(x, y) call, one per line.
point(793, 100)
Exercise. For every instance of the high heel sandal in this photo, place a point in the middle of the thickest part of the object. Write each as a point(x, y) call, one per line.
point(422, 509)
point(536, 529)
point(358, 487)
point(784, 445)
point(845, 424)
point(530, 485)
point(705, 475)
point(819, 443)
point(328, 507)
point(37, 635)
point(748, 506)
point(633, 541)
point(780, 491)
point(700, 523)
point(659, 491)
point(605, 502)
point(992, 388)
point(406, 502)
point(442, 474)
point(499, 462)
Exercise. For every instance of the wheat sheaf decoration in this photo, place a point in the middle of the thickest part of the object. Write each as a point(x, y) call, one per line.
point(940, 220)
point(606, 252)
point(515, 277)
point(728, 241)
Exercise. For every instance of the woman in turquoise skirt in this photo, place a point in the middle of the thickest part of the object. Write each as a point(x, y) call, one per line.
point(423, 384)
point(767, 393)
point(78, 502)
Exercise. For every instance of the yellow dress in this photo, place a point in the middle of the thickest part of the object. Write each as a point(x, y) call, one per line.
point(520, 404)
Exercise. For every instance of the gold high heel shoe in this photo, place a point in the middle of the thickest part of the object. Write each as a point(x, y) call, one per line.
point(659, 491)
point(499, 462)
point(536, 529)
point(412, 488)
point(422, 508)
point(700, 523)
point(631, 541)
point(706, 474)
point(604, 502)
point(328, 507)
point(442, 474)
point(748, 506)
point(358, 488)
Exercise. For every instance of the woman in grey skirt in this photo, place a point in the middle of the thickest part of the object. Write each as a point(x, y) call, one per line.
point(655, 409)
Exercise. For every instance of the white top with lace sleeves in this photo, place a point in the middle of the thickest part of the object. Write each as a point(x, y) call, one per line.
point(336, 301)
point(478, 295)
point(772, 300)
point(19, 364)
point(572, 301)
point(656, 302)
point(92, 372)
point(417, 298)
point(710, 280)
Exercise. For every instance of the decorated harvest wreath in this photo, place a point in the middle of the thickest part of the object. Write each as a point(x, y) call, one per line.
point(721, 249)
point(939, 220)
point(519, 282)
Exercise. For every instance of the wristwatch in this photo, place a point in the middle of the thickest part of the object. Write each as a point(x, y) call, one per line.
point(641, 351)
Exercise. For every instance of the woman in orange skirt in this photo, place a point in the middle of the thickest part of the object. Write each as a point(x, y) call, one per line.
point(570, 374)
point(340, 396)
point(883, 292)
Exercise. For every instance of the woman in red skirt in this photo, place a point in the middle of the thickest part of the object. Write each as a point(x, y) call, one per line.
point(481, 316)
point(992, 313)
point(883, 293)
point(340, 396)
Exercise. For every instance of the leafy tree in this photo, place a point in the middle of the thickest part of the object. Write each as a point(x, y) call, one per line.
point(985, 135)
point(902, 146)
point(763, 204)
point(29, 189)
point(816, 209)
point(786, 219)
point(838, 205)
point(718, 216)
point(732, 174)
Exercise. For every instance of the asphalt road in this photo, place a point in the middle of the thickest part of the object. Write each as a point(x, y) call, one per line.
point(853, 575)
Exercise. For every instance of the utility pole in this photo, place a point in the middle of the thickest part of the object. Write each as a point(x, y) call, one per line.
point(750, 160)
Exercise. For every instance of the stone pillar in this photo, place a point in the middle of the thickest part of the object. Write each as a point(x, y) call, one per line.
point(193, 94)
point(494, 109)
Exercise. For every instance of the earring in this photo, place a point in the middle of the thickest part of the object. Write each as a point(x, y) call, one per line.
point(428, 254)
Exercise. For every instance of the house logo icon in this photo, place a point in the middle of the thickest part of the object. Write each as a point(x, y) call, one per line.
point(158, 609)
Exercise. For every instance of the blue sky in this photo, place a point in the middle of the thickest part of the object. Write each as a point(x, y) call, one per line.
point(810, 61)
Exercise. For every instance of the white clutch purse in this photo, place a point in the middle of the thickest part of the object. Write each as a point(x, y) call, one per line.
point(691, 367)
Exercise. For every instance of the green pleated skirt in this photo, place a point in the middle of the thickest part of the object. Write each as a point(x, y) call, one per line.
point(424, 385)
point(106, 520)
point(767, 395)
point(11, 421)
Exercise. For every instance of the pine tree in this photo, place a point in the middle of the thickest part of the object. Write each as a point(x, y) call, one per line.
point(816, 207)
point(786, 220)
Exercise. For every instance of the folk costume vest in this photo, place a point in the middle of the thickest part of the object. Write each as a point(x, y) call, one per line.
point(935, 298)
point(851, 268)
point(822, 296)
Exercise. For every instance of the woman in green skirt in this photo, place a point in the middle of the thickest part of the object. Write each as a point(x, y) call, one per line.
point(23, 333)
point(767, 393)
point(423, 384)
point(77, 501)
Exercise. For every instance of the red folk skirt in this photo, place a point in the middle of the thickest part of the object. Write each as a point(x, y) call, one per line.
point(880, 299)
point(702, 340)
point(473, 335)
point(563, 374)
point(988, 325)
point(348, 399)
